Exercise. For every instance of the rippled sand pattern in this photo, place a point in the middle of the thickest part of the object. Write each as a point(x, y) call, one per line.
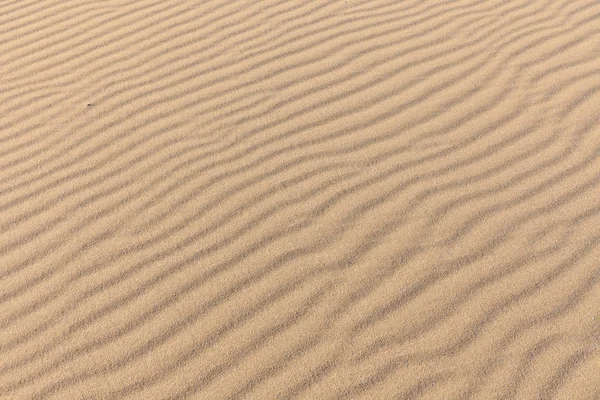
point(277, 199)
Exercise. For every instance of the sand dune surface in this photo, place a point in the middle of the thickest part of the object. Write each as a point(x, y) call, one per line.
point(284, 199)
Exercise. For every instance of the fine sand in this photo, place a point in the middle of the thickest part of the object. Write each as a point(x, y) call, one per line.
point(285, 199)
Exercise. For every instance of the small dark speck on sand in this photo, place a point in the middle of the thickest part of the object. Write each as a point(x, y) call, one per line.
point(89, 105)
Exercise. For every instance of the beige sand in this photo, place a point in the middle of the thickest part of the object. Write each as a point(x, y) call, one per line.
point(277, 199)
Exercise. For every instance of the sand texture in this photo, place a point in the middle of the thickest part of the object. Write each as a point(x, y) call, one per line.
point(285, 199)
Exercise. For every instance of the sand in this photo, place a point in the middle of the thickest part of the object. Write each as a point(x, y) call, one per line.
point(336, 199)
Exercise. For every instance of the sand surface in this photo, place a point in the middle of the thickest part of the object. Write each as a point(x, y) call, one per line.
point(284, 199)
